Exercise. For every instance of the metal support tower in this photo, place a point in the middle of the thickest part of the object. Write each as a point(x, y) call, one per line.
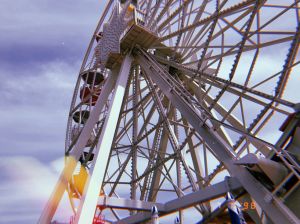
point(179, 102)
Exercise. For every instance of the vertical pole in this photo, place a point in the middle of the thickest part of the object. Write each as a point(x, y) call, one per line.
point(71, 163)
point(235, 214)
point(90, 196)
point(134, 132)
point(154, 215)
point(177, 220)
point(178, 165)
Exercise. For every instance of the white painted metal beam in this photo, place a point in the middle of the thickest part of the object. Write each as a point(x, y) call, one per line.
point(93, 185)
point(274, 208)
point(71, 163)
point(122, 203)
point(192, 199)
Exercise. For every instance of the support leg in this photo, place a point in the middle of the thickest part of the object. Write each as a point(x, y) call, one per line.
point(70, 166)
point(90, 197)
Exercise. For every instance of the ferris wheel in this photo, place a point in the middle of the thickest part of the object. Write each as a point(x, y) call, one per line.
point(179, 102)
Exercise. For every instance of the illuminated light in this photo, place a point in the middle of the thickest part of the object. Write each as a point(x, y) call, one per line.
point(131, 7)
point(80, 179)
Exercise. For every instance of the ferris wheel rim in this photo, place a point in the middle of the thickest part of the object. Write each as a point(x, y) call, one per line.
point(267, 108)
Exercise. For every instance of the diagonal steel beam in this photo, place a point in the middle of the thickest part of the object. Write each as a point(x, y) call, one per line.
point(94, 182)
point(226, 12)
point(70, 166)
point(123, 203)
point(189, 200)
point(177, 94)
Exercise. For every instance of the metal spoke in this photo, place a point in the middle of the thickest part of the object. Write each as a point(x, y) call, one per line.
point(174, 96)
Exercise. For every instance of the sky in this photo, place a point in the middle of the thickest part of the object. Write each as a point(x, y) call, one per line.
point(42, 44)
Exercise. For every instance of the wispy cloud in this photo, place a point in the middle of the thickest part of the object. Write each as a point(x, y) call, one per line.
point(25, 188)
point(41, 46)
point(34, 110)
point(39, 31)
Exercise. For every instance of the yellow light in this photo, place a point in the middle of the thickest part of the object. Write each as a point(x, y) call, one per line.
point(131, 7)
point(80, 179)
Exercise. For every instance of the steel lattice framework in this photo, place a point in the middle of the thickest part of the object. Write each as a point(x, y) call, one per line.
point(178, 102)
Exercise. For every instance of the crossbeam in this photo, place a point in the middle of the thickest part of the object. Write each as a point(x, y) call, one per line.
point(71, 163)
point(93, 185)
point(189, 200)
point(178, 95)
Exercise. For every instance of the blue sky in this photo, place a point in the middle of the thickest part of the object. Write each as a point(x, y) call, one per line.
point(42, 44)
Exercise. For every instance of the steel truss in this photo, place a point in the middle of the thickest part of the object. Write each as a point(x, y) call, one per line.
point(176, 104)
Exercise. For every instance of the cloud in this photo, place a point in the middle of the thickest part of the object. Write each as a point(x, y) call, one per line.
point(42, 44)
point(25, 188)
point(35, 110)
point(39, 31)
point(41, 47)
